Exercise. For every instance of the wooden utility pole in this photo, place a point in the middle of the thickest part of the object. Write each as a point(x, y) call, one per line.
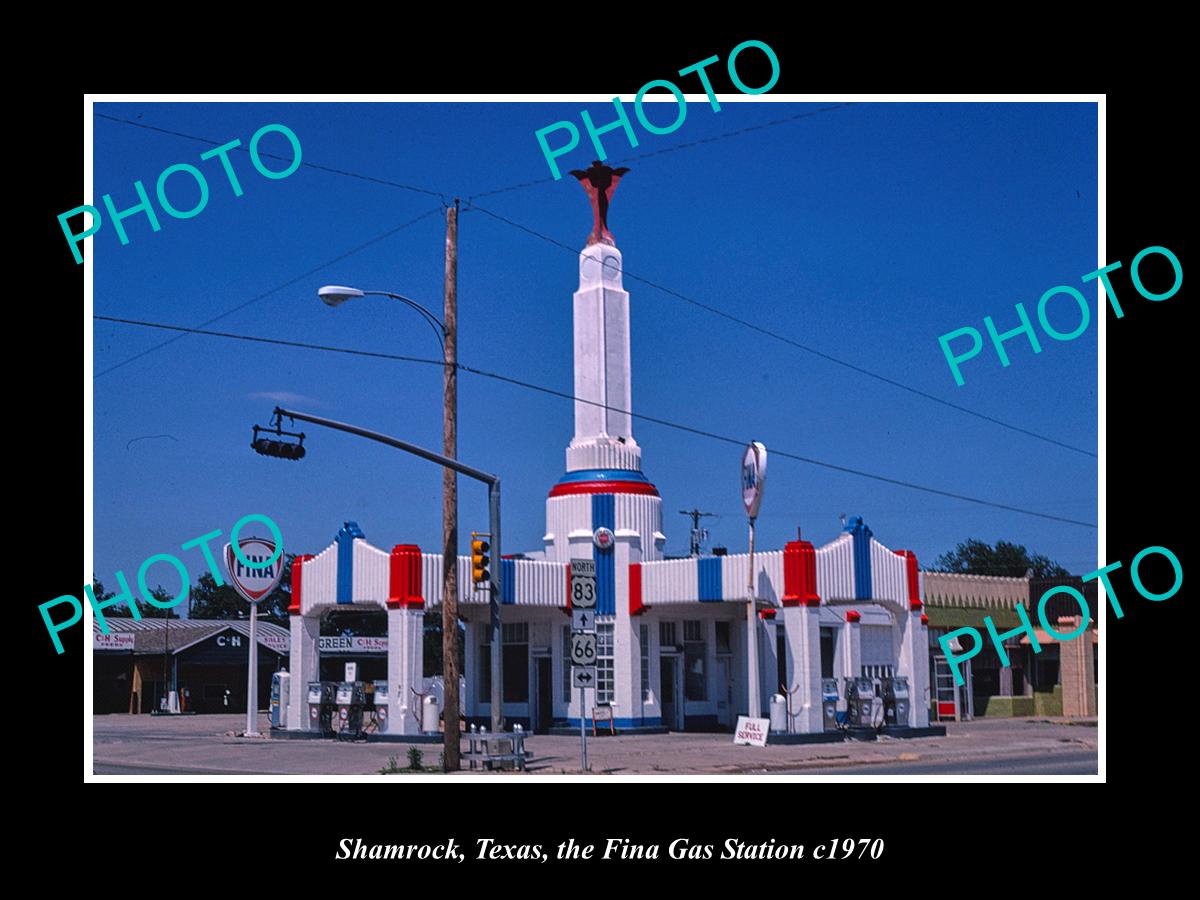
point(450, 755)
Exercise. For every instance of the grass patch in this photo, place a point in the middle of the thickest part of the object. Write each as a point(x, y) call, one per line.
point(415, 765)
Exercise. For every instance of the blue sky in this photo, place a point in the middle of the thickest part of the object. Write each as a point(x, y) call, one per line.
point(865, 232)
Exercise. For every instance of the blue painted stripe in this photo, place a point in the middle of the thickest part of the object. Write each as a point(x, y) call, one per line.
point(603, 475)
point(709, 577)
point(604, 515)
point(602, 724)
point(508, 581)
point(345, 562)
point(861, 535)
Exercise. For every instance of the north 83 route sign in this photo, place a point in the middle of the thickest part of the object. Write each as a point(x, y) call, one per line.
point(583, 584)
point(583, 648)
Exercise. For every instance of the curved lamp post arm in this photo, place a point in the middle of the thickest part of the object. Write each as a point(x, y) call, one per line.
point(434, 322)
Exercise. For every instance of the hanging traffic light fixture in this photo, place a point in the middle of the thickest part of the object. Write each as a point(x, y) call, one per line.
point(281, 449)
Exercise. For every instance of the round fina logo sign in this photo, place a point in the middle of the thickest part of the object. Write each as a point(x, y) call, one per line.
point(603, 538)
point(754, 473)
point(255, 570)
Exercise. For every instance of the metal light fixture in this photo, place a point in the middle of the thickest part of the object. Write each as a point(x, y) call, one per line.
point(280, 449)
point(336, 294)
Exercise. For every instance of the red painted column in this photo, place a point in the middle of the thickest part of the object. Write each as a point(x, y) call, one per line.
point(800, 574)
point(914, 578)
point(297, 582)
point(635, 589)
point(404, 585)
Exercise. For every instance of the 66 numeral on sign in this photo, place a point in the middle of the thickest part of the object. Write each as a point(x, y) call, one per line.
point(583, 649)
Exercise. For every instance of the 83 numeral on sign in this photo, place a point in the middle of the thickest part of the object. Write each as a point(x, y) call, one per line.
point(583, 593)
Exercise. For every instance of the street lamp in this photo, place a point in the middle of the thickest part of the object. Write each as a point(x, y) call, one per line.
point(334, 295)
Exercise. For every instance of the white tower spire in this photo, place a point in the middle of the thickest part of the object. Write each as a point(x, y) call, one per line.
point(603, 427)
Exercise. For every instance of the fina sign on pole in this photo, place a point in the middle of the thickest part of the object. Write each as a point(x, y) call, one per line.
point(754, 473)
point(255, 568)
point(754, 476)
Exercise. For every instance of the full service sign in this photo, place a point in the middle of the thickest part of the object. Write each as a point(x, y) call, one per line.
point(751, 731)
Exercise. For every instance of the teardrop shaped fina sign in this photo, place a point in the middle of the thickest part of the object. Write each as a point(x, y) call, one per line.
point(754, 473)
point(256, 571)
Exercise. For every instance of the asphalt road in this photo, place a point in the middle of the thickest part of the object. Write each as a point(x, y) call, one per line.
point(156, 746)
point(109, 769)
point(1071, 762)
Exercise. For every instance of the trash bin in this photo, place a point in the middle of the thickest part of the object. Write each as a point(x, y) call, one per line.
point(778, 712)
point(429, 715)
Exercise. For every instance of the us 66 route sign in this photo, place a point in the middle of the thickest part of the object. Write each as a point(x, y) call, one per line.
point(583, 648)
point(583, 584)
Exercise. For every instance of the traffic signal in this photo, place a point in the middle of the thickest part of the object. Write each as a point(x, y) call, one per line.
point(479, 560)
point(280, 449)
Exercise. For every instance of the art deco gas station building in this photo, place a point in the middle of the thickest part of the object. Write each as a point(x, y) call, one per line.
point(672, 634)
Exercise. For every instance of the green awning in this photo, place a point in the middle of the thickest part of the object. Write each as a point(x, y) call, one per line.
point(971, 616)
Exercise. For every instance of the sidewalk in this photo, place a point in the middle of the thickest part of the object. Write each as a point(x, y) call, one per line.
point(206, 745)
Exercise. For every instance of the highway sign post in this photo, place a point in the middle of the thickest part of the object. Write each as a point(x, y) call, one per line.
point(583, 640)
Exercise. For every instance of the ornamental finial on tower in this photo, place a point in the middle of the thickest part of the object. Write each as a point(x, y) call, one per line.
point(600, 182)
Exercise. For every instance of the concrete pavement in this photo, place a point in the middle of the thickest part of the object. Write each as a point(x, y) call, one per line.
point(208, 745)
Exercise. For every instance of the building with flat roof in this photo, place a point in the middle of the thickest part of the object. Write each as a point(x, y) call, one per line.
point(138, 663)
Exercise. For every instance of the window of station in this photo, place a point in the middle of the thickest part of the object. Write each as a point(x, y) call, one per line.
point(566, 663)
point(695, 660)
point(604, 662)
point(781, 656)
point(723, 642)
point(432, 652)
point(1045, 672)
point(827, 652)
point(666, 634)
point(644, 636)
point(515, 686)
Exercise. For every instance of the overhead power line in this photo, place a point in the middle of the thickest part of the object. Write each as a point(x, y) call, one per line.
point(307, 165)
point(276, 289)
point(512, 187)
point(707, 307)
point(675, 148)
point(793, 343)
point(496, 376)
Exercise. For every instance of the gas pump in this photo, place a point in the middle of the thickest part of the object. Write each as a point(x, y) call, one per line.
point(350, 698)
point(860, 698)
point(320, 707)
point(381, 704)
point(896, 700)
point(280, 695)
point(829, 702)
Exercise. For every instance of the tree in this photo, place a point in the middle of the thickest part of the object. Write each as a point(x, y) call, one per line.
point(213, 601)
point(145, 610)
point(975, 557)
